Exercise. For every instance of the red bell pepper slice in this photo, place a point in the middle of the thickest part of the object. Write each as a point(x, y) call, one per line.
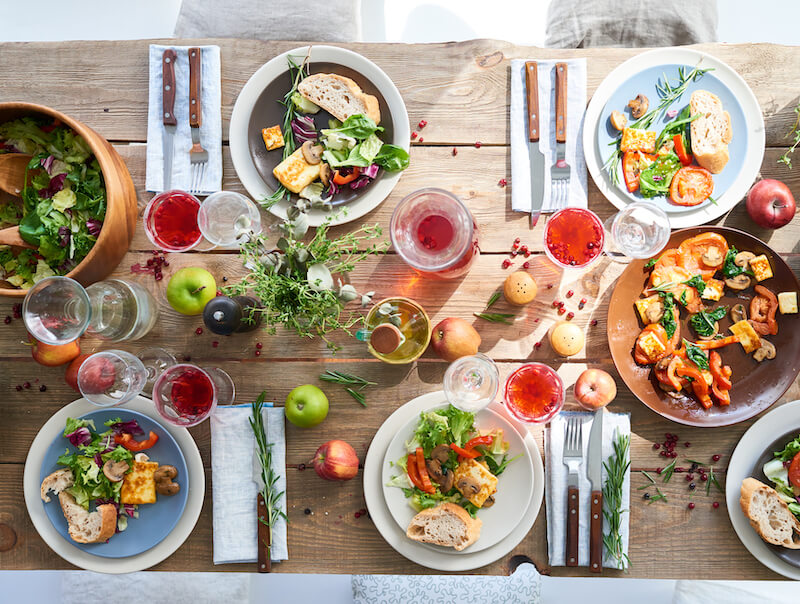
point(680, 150)
point(413, 472)
point(467, 453)
point(486, 440)
point(711, 344)
point(343, 179)
point(427, 486)
point(131, 444)
point(715, 365)
point(699, 385)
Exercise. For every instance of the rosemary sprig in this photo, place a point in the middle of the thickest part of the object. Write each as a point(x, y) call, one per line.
point(495, 297)
point(793, 132)
point(667, 472)
point(650, 478)
point(348, 379)
point(360, 398)
point(616, 467)
point(668, 93)
point(270, 493)
point(495, 317)
point(712, 479)
point(659, 496)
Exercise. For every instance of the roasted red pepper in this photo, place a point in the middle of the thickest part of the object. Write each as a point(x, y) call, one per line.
point(427, 486)
point(468, 453)
point(479, 440)
point(633, 163)
point(680, 150)
point(343, 179)
point(413, 472)
point(699, 385)
point(131, 444)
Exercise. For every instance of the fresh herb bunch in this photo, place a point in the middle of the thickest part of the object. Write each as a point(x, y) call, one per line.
point(794, 134)
point(295, 284)
point(668, 93)
point(616, 467)
point(270, 493)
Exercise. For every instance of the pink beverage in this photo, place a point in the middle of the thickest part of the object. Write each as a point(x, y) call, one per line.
point(534, 393)
point(435, 233)
point(170, 221)
point(574, 237)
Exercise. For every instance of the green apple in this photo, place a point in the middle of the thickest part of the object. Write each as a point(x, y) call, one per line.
point(306, 406)
point(190, 289)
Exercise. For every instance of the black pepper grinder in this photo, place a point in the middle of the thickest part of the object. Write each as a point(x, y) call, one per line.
point(224, 315)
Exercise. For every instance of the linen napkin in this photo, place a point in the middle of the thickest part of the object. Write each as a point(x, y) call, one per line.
point(576, 107)
point(234, 492)
point(556, 492)
point(210, 130)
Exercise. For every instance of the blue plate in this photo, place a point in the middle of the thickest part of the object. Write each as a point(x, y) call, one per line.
point(644, 82)
point(155, 521)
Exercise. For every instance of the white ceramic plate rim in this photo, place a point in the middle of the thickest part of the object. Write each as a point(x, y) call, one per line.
point(496, 527)
point(246, 170)
point(747, 452)
point(417, 552)
point(31, 488)
point(687, 56)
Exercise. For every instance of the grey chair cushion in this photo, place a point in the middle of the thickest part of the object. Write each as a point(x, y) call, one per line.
point(329, 21)
point(630, 23)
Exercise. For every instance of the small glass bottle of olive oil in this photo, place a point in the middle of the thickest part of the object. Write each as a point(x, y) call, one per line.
point(397, 331)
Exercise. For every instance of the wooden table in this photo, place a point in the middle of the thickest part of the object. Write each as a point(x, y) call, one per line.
point(462, 91)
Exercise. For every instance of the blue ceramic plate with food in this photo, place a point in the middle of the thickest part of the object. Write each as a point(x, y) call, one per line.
point(102, 479)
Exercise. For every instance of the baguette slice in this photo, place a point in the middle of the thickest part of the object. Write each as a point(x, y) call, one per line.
point(447, 524)
point(57, 482)
point(339, 96)
point(711, 132)
point(85, 526)
point(769, 515)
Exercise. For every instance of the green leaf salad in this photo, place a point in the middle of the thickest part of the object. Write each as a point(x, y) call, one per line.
point(777, 471)
point(63, 206)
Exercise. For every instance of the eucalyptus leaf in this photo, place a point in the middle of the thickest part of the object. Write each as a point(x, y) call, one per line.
point(282, 244)
point(293, 212)
point(302, 255)
point(348, 293)
point(319, 277)
point(385, 309)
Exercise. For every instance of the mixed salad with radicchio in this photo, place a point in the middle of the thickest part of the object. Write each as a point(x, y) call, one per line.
point(63, 206)
point(784, 473)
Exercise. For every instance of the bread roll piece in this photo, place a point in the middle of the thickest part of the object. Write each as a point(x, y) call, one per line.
point(769, 515)
point(85, 526)
point(447, 524)
point(57, 482)
point(339, 96)
point(711, 132)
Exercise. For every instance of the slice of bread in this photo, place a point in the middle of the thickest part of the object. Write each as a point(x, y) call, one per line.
point(57, 482)
point(339, 96)
point(769, 515)
point(85, 526)
point(711, 132)
point(447, 524)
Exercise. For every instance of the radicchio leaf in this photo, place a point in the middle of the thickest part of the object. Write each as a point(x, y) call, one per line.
point(81, 436)
point(131, 427)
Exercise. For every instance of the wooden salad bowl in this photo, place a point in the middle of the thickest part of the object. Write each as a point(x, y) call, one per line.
point(121, 204)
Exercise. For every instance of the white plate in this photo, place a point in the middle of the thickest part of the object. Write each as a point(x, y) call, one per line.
point(396, 537)
point(31, 488)
point(514, 487)
point(377, 191)
point(753, 129)
point(750, 448)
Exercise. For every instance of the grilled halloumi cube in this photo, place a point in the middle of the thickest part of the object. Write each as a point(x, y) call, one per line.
point(295, 173)
point(475, 474)
point(273, 137)
point(634, 139)
point(139, 485)
point(787, 302)
point(642, 304)
point(714, 290)
point(651, 346)
point(760, 267)
point(748, 338)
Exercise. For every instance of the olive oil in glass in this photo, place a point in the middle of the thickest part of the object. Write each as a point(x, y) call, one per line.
point(397, 331)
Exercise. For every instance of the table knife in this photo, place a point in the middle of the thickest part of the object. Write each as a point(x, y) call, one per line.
point(168, 112)
point(536, 156)
point(264, 562)
point(594, 471)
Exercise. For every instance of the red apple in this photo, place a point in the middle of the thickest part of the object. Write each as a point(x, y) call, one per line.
point(770, 204)
point(454, 338)
point(53, 356)
point(336, 460)
point(595, 388)
point(71, 376)
point(96, 375)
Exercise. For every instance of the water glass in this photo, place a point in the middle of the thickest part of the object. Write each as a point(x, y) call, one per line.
point(471, 383)
point(227, 218)
point(111, 378)
point(641, 230)
point(56, 310)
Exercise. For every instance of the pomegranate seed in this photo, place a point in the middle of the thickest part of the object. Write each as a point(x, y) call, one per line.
point(19, 388)
point(259, 345)
point(7, 320)
point(594, 322)
point(502, 182)
point(667, 435)
point(199, 331)
point(215, 343)
point(715, 505)
point(526, 265)
point(187, 358)
point(514, 253)
point(570, 315)
point(27, 385)
point(301, 466)
point(527, 253)
point(506, 263)
point(691, 505)
point(17, 311)
point(414, 135)
point(561, 310)
point(659, 470)
point(536, 320)
point(454, 151)
point(42, 388)
point(663, 453)
point(556, 304)
point(679, 469)
point(421, 139)
point(692, 486)
point(477, 144)
point(549, 286)
point(258, 353)
point(689, 478)
point(538, 344)
point(656, 446)
point(561, 305)
point(570, 293)
point(159, 277)
point(422, 124)
point(673, 455)
point(715, 457)
point(517, 240)
point(704, 477)
point(687, 444)
point(583, 300)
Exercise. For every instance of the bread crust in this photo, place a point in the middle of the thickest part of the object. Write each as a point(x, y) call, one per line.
point(370, 102)
point(107, 513)
point(473, 525)
point(56, 482)
point(750, 486)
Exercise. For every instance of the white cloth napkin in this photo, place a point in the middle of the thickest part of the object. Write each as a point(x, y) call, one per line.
point(558, 473)
point(234, 492)
point(576, 107)
point(210, 130)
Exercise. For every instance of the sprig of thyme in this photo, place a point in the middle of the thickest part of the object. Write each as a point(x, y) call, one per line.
point(270, 493)
point(793, 132)
point(616, 467)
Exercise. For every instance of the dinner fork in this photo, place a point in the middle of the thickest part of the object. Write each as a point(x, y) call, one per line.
point(573, 458)
point(559, 172)
point(197, 155)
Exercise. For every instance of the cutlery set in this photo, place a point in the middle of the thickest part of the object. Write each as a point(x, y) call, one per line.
point(573, 458)
point(198, 156)
point(560, 170)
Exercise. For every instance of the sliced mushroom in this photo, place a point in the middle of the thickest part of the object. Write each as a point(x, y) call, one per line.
point(765, 351)
point(738, 313)
point(164, 477)
point(312, 153)
point(440, 475)
point(618, 120)
point(739, 282)
point(654, 312)
point(743, 259)
point(441, 453)
point(325, 174)
point(713, 256)
point(115, 470)
point(638, 106)
point(468, 486)
point(489, 502)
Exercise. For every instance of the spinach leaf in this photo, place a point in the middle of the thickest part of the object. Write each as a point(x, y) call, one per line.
point(730, 268)
point(696, 355)
point(668, 320)
point(652, 262)
point(357, 126)
point(789, 451)
point(703, 322)
point(696, 282)
point(392, 158)
point(656, 178)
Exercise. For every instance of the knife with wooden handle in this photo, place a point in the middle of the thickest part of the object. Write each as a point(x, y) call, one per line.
point(264, 562)
point(534, 153)
point(594, 472)
point(169, 120)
